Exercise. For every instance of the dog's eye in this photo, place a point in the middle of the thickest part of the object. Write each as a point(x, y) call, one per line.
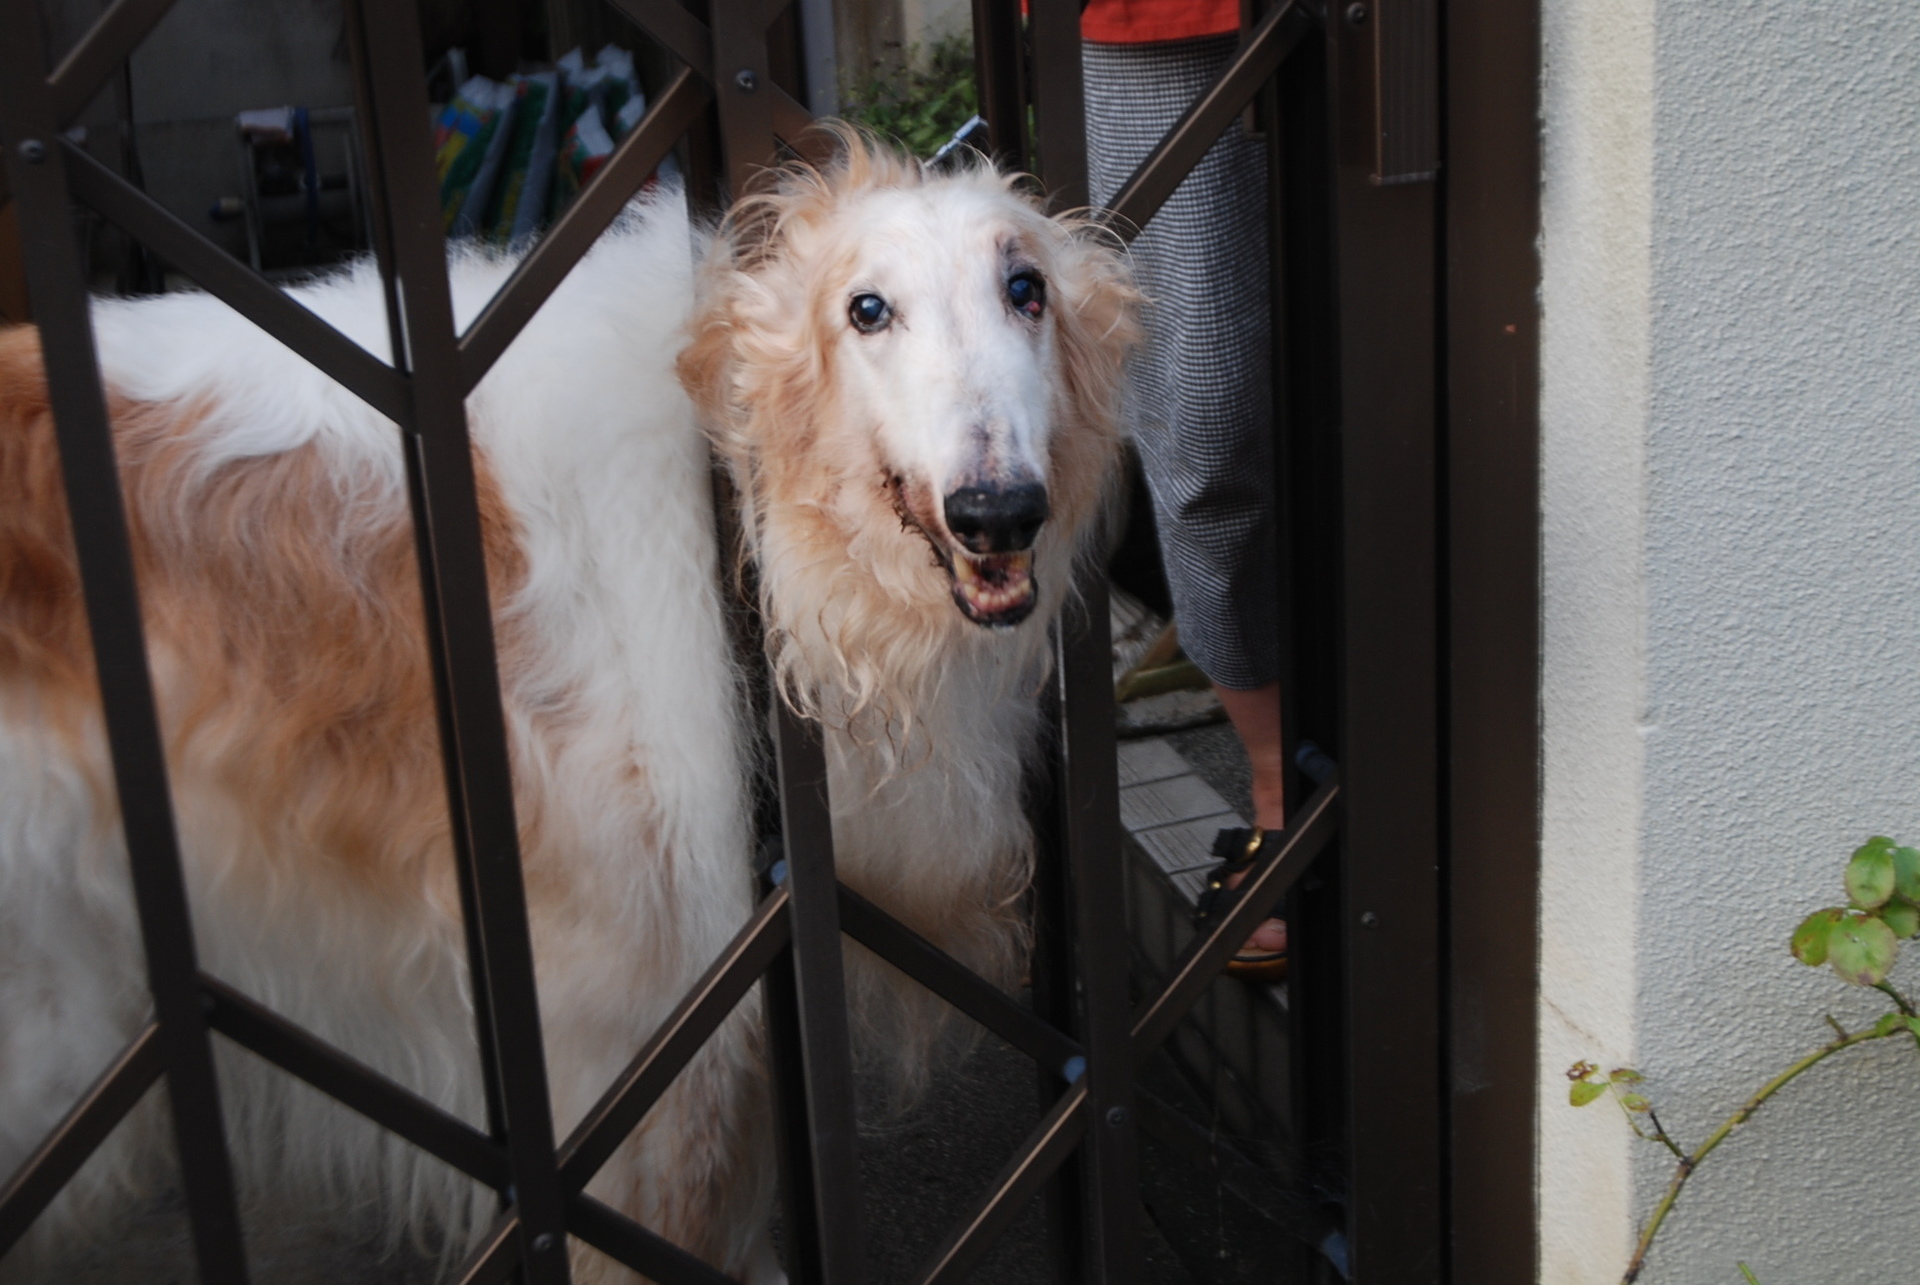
point(869, 312)
point(1027, 293)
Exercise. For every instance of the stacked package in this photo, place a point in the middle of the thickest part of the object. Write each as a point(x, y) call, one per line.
point(512, 156)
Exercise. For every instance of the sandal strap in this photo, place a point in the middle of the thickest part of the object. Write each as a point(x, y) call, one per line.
point(1238, 845)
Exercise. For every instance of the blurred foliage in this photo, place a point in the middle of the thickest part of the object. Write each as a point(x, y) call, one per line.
point(923, 106)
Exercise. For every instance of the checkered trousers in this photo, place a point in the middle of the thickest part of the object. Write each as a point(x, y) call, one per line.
point(1201, 405)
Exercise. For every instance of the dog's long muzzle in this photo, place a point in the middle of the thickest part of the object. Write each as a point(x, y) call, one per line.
point(993, 569)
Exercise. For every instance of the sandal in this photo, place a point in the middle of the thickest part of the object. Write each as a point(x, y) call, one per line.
point(1237, 848)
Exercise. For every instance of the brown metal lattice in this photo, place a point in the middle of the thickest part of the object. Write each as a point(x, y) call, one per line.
point(793, 937)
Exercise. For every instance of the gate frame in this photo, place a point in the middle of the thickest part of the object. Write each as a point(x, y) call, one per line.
point(1425, 527)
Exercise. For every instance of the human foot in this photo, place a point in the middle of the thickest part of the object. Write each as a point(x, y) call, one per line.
point(1264, 955)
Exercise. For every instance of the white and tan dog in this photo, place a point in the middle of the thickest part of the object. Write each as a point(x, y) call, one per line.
point(914, 380)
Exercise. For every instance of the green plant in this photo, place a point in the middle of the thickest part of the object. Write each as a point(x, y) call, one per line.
point(1860, 941)
point(923, 105)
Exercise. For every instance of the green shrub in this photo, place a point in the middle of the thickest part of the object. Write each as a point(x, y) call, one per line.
point(922, 107)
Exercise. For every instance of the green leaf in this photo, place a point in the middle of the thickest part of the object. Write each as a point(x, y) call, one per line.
point(1913, 1024)
point(1901, 916)
point(1625, 1075)
point(1889, 1023)
point(1906, 873)
point(1634, 1102)
point(1581, 1092)
point(1861, 950)
point(1810, 938)
point(1870, 876)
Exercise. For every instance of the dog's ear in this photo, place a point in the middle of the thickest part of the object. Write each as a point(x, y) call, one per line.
point(1097, 320)
point(752, 365)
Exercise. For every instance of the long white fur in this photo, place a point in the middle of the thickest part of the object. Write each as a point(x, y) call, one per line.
point(607, 474)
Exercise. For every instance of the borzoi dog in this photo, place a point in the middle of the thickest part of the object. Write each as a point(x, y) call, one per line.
point(914, 380)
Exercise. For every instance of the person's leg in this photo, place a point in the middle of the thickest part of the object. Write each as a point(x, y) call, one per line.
point(1201, 404)
point(1256, 719)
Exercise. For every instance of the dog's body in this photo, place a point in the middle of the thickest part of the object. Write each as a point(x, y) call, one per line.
point(277, 571)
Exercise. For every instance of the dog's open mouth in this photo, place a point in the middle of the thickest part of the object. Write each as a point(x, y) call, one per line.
point(994, 588)
point(991, 589)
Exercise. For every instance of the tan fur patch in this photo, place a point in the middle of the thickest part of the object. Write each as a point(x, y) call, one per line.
point(284, 625)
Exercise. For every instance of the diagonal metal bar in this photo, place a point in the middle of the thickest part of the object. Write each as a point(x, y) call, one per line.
point(665, 1055)
point(455, 585)
point(57, 281)
point(548, 263)
point(57, 1158)
point(1051, 1141)
point(1258, 57)
point(791, 120)
point(954, 982)
point(99, 53)
point(618, 1236)
point(346, 1080)
point(237, 285)
point(1289, 853)
point(674, 26)
point(492, 1261)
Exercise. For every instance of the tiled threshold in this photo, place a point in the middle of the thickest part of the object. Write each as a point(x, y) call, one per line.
point(1234, 1043)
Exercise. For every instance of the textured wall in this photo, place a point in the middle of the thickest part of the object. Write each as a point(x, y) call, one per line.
point(1732, 589)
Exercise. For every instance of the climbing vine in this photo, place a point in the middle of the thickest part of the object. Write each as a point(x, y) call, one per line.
point(1860, 942)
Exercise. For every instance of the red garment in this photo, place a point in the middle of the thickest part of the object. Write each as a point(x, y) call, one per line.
point(1139, 22)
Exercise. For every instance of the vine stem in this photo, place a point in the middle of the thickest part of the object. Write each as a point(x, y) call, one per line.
point(1689, 1163)
point(1906, 1006)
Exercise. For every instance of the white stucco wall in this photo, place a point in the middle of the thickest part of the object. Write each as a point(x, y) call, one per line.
point(1731, 495)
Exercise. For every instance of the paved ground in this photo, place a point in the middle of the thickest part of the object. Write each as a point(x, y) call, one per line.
point(1216, 755)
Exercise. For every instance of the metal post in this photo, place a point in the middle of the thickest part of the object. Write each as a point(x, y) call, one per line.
point(57, 281)
point(1386, 266)
point(1091, 800)
point(999, 59)
point(440, 455)
point(819, 998)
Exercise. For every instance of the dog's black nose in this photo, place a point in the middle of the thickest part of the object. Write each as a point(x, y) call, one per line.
point(997, 519)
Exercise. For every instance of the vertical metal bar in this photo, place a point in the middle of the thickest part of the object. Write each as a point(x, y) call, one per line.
point(1405, 37)
point(481, 801)
point(821, 57)
point(380, 222)
point(820, 1002)
point(1052, 972)
point(1312, 549)
point(57, 280)
point(1059, 100)
point(1387, 271)
point(744, 90)
point(1091, 802)
point(1491, 187)
point(793, 1135)
point(998, 72)
point(1089, 775)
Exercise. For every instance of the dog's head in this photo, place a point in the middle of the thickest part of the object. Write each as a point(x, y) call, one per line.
point(917, 374)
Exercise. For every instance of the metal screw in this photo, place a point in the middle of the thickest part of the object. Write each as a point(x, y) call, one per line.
point(543, 1242)
point(1356, 14)
point(747, 81)
point(1116, 1116)
point(32, 151)
point(1369, 920)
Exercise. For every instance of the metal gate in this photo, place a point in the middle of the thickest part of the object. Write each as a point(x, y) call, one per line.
point(1358, 487)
